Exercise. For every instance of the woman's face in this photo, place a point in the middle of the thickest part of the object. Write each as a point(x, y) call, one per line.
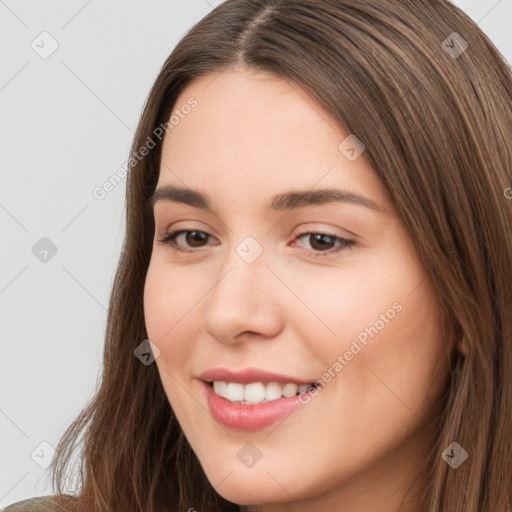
point(278, 285)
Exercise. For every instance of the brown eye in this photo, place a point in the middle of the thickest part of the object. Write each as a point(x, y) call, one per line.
point(190, 238)
point(195, 238)
point(323, 244)
point(319, 241)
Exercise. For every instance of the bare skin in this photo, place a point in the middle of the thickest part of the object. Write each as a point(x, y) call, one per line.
point(297, 307)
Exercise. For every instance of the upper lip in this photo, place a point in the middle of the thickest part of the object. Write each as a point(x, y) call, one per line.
point(248, 375)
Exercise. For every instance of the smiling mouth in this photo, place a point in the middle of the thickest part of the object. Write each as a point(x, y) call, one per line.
point(258, 392)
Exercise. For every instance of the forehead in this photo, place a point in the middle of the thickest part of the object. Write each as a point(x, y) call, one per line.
point(254, 90)
point(242, 113)
point(252, 128)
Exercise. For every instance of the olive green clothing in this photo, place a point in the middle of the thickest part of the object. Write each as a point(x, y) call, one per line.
point(39, 504)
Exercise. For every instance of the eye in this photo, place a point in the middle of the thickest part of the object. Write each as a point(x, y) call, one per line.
point(321, 244)
point(193, 237)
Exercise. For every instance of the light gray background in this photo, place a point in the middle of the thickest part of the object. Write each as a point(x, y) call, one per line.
point(66, 126)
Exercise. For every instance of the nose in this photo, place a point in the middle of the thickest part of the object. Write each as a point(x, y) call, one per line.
point(241, 306)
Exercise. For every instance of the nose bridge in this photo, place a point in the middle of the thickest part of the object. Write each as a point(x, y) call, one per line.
point(243, 268)
point(243, 273)
point(239, 300)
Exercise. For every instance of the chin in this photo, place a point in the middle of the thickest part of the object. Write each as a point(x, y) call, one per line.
point(258, 485)
point(244, 490)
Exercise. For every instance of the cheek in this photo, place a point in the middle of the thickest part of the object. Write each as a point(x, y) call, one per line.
point(170, 316)
point(172, 324)
point(337, 306)
point(377, 323)
point(395, 357)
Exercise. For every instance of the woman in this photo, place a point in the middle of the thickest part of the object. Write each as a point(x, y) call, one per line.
point(311, 309)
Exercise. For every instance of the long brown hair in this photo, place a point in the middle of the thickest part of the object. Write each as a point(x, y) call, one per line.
point(431, 98)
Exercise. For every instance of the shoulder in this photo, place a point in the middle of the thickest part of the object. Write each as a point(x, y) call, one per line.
point(39, 504)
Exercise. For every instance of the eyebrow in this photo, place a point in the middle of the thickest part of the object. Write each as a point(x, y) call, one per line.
point(286, 201)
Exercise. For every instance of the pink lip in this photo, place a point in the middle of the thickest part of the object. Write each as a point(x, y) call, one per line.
point(249, 417)
point(245, 416)
point(248, 375)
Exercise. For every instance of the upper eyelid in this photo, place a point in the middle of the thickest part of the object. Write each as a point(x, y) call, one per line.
point(178, 230)
point(174, 233)
point(328, 231)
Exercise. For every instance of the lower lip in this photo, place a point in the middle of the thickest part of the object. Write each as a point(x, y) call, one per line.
point(250, 417)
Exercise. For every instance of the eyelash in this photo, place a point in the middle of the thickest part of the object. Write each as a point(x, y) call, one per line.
point(345, 243)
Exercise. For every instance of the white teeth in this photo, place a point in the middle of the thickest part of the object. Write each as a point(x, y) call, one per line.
point(273, 391)
point(290, 390)
point(235, 391)
point(257, 392)
point(219, 387)
point(254, 392)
